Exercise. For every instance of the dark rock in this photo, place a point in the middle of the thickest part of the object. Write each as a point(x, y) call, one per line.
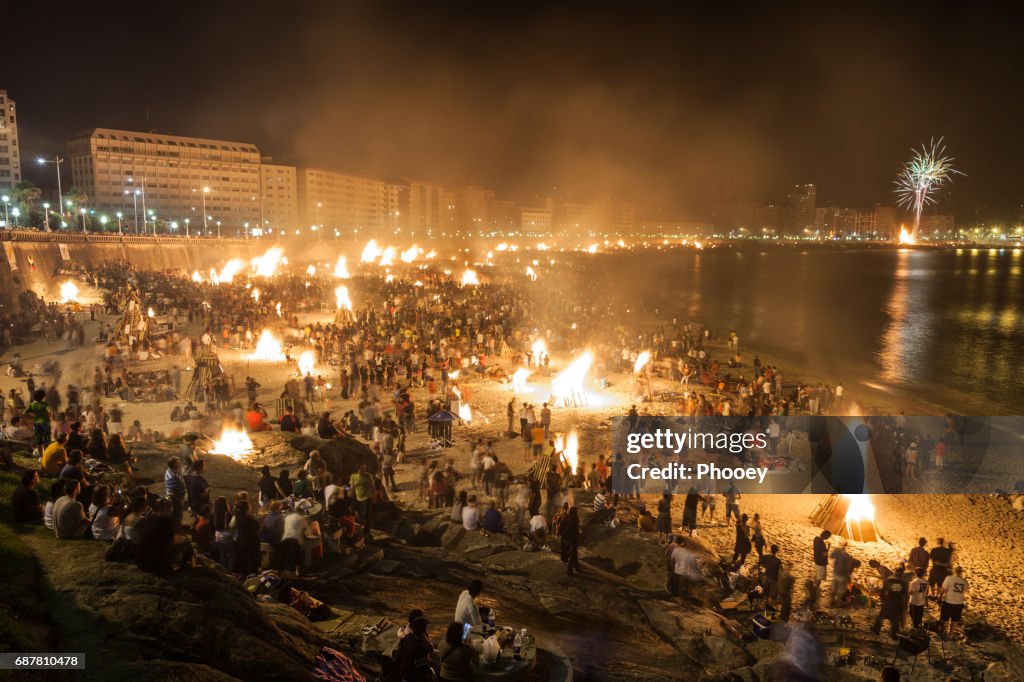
point(194, 615)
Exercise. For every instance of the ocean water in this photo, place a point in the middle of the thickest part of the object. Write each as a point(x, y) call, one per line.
point(944, 327)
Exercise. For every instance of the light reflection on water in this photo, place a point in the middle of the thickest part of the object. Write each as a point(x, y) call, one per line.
point(948, 325)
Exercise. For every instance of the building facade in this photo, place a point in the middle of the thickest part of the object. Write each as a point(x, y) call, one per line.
point(800, 209)
point(10, 154)
point(279, 197)
point(352, 205)
point(423, 210)
point(150, 177)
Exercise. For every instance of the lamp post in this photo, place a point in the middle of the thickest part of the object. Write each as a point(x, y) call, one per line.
point(152, 217)
point(186, 227)
point(119, 216)
point(81, 212)
point(46, 215)
point(56, 161)
point(103, 222)
point(7, 218)
point(218, 229)
point(17, 212)
point(206, 190)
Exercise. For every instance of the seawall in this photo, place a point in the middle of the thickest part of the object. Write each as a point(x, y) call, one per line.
point(33, 260)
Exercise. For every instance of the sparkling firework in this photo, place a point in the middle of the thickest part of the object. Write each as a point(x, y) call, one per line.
point(926, 171)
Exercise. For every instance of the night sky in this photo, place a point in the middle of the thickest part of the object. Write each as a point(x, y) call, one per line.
point(647, 101)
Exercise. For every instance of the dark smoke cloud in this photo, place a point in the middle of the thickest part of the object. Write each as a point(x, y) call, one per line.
point(652, 101)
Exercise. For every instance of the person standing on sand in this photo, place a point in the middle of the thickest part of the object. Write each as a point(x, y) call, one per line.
point(941, 557)
point(954, 590)
point(918, 558)
point(821, 557)
point(918, 597)
point(741, 547)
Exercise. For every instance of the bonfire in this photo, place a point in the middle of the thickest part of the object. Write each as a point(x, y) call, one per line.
point(68, 292)
point(268, 348)
point(567, 388)
point(233, 443)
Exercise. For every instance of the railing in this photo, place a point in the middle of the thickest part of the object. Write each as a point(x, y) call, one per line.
point(64, 237)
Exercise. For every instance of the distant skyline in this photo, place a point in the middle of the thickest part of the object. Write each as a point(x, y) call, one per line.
point(655, 104)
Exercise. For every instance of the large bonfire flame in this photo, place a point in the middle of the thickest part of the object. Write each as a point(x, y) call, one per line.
point(470, 277)
point(860, 509)
point(341, 268)
point(531, 273)
point(567, 388)
point(341, 296)
point(519, 380)
point(371, 252)
point(641, 361)
point(268, 348)
point(410, 254)
point(388, 256)
point(266, 265)
point(234, 443)
point(906, 236)
point(196, 277)
point(228, 272)
point(570, 449)
point(68, 292)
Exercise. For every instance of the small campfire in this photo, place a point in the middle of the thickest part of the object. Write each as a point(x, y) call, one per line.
point(68, 292)
point(569, 447)
point(233, 443)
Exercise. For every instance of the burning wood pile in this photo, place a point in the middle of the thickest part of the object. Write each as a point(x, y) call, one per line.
point(849, 516)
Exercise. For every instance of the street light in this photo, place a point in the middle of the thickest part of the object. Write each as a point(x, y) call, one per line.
point(17, 212)
point(46, 215)
point(81, 212)
point(218, 229)
point(152, 217)
point(119, 216)
point(7, 218)
point(56, 161)
point(206, 190)
point(186, 226)
point(103, 222)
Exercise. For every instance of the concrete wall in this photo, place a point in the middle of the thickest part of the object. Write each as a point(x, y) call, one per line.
point(38, 257)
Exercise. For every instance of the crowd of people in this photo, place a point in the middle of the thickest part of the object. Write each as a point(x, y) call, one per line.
point(413, 335)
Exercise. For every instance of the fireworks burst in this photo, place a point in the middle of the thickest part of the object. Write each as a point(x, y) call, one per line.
point(926, 171)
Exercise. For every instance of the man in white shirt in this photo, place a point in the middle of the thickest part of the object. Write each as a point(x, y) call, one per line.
point(685, 568)
point(466, 610)
point(918, 597)
point(330, 490)
point(954, 588)
point(539, 528)
point(471, 515)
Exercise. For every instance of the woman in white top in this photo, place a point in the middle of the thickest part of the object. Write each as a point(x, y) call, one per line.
point(106, 521)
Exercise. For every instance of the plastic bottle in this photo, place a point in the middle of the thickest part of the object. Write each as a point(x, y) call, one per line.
point(490, 619)
point(517, 644)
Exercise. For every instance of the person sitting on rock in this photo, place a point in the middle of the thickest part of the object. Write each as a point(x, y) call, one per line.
point(604, 512)
point(471, 514)
point(493, 522)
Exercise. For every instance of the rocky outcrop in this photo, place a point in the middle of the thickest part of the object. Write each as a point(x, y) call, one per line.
point(343, 456)
point(196, 624)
